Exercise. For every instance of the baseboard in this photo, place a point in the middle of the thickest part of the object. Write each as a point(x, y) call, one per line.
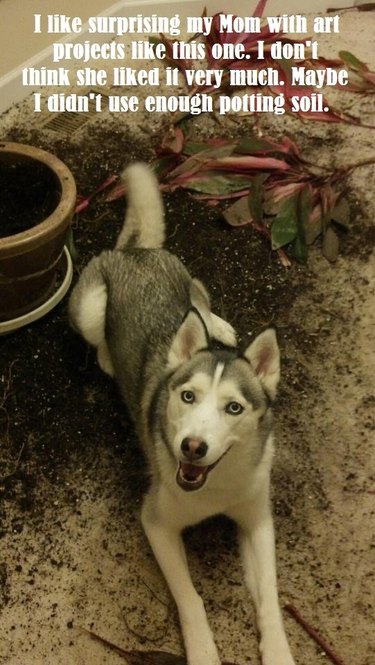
point(12, 90)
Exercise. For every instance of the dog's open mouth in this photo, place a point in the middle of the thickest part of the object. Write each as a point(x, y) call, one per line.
point(192, 477)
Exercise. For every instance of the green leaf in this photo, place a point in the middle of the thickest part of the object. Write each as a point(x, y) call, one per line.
point(331, 244)
point(351, 60)
point(303, 215)
point(247, 146)
point(255, 199)
point(300, 250)
point(238, 213)
point(313, 229)
point(197, 160)
point(163, 164)
point(285, 225)
point(69, 242)
point(286, 67)
point(192, 147)
point(341, 213)
point(218, 151)
point(217, 184)
point(304, 205)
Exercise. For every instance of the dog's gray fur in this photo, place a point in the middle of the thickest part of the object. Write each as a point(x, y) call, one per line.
point(202, 414)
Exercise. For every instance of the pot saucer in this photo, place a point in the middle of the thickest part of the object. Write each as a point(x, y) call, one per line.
point(37, 313)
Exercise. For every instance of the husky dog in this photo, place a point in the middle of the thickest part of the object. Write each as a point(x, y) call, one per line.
point(201, 410)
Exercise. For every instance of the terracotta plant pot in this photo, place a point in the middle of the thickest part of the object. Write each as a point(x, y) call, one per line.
point(33, 183)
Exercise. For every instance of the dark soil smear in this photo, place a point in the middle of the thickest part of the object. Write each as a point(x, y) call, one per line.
point(28, 195)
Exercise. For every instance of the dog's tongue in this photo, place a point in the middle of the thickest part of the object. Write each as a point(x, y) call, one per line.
point(190, 470)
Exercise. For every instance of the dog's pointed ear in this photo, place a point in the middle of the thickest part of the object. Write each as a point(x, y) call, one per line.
point(264, 356)
point(191, 337)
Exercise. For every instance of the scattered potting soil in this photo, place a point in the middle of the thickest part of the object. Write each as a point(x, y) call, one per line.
point(73, 554)
point(29, 193)
point(72, 477)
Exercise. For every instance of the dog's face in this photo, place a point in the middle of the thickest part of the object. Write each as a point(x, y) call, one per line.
point(216, 404)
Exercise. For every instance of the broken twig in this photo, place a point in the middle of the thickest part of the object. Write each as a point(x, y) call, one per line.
point(143, 657)
point(313, 634)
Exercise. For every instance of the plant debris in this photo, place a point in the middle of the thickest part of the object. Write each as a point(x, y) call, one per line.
point(289, 200)
point(84, 201)
point(314, 634)
point(144, 657)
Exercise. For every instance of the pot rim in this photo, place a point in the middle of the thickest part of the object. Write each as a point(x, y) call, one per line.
point(33, 315)
point(58, 219)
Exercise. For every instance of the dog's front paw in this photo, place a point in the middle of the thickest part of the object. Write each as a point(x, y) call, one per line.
point(201, 650)
point(203, 658)
point(223, 331)
point(278, 659)
point(277, 654)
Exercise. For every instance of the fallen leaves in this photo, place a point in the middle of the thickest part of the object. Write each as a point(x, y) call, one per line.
point(288, 200)
point(280, 194)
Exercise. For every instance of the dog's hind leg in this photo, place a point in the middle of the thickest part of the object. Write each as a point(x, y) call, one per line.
point(168, 548)
point(87, 311)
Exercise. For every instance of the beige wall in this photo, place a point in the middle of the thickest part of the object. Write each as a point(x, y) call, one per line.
point(17, 41)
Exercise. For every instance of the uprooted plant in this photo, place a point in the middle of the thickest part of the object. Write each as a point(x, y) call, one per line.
point(282, 195)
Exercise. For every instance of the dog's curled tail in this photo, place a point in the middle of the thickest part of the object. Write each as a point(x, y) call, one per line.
point(144, 219)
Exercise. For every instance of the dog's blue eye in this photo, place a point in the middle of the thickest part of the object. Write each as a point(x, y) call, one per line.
point(188, 396)
point(234, 408)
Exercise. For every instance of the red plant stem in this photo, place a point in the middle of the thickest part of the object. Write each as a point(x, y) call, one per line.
point(313, 634)
point(83, 202)
point(107, 643)
point(365, 162)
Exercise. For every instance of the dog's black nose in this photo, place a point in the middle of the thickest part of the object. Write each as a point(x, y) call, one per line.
point(193, 449)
